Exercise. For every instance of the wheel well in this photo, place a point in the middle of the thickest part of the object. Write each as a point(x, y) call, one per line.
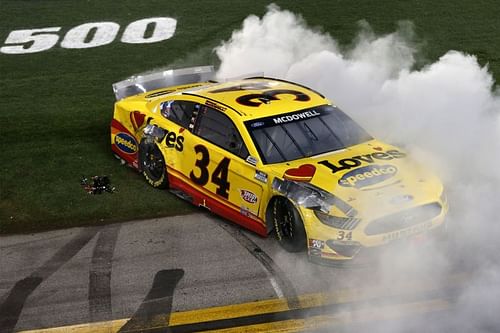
point(269, 212)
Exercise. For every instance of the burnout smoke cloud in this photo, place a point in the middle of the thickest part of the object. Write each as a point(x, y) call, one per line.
point(446, 113)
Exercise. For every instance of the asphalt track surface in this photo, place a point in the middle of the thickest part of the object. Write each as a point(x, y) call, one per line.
point(195, 273)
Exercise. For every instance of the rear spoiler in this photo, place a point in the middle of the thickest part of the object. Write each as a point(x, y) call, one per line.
point(142, 83)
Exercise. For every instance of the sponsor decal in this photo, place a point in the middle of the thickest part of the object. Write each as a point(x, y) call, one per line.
point(407, 232)
point(257, 124)
point(215, 106)
point(252, 160)
point(297, 116)
point(245, 211)
point(126, 143)
point(173, 140)
point(357, 161)
point(261, 176)
point(170, 138)
point(160, 93)
point(303, 173)
point(316, 244)
point(367, 175)
point(248, 196)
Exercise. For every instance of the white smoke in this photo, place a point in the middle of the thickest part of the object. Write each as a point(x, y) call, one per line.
point(446, 113)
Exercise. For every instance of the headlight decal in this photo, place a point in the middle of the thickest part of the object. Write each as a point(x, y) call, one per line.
point(344, 223)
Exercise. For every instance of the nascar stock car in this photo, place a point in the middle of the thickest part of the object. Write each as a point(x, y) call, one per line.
point(272, 155)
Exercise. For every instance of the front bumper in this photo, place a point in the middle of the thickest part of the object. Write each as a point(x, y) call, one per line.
point(371, 256)
point(355, 247)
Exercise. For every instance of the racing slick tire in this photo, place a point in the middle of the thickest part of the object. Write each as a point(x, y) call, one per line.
point(152, 164)
point(288, 225)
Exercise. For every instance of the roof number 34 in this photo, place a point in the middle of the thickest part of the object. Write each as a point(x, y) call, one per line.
point(88, 35)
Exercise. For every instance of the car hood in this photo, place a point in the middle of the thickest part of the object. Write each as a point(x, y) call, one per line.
point(372, 178)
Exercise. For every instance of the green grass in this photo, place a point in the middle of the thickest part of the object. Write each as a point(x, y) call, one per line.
point(56, 105)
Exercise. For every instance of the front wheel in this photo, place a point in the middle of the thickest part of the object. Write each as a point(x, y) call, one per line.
point(153, 164)
point(288, 225)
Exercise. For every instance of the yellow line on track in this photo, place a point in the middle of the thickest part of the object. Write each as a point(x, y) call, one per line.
point(344, 318)
point(280, 304)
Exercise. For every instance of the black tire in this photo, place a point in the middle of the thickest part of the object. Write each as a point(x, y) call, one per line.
point(288, 225)
point(153, 164)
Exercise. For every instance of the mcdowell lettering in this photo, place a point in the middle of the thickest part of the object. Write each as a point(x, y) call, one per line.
point(295, 117)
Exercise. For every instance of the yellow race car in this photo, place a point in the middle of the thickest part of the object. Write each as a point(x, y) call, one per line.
point(272, 155)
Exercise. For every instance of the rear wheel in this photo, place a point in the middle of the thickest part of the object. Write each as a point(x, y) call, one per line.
point(288, 225)
point(153, 164)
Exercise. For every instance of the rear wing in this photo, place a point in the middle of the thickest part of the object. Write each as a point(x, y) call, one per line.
point(142, 83)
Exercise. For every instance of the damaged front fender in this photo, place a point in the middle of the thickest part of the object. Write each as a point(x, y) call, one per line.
point(154, 132)
point(311, 197)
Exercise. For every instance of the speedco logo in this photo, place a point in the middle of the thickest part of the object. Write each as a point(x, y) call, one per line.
point(368, 175)
point(126, 143)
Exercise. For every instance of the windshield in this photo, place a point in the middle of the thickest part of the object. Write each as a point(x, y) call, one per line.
point(304, 133)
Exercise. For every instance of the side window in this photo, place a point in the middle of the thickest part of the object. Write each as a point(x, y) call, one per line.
point(217, 128)
point(180, 112)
